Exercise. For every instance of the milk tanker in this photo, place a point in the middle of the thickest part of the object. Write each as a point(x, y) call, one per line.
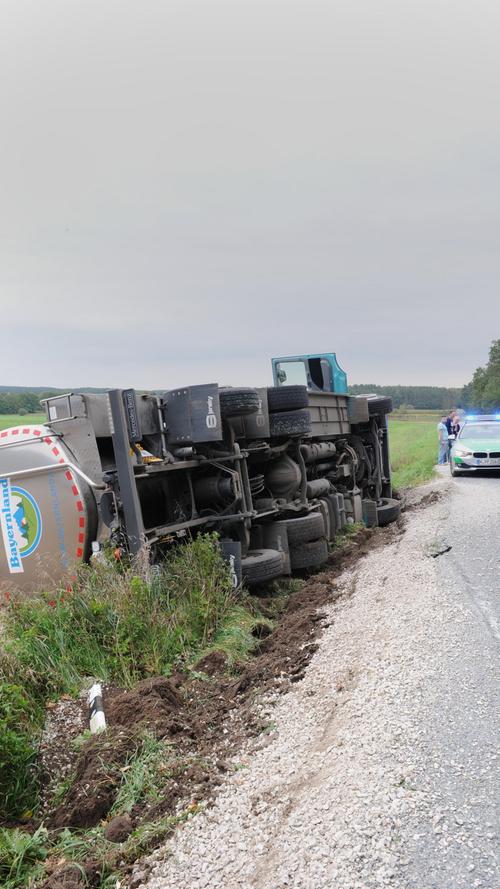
point(276, 471)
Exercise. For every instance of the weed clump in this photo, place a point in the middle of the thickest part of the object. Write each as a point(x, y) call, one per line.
point(17, 752)
point(120, 624)
point(21, 856)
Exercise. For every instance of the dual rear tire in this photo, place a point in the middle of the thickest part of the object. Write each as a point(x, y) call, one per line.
point(288, 411)
point(307, 543)
point(307, 547)
point(261, 566)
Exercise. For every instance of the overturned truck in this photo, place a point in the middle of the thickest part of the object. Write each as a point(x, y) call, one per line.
point(276, 471)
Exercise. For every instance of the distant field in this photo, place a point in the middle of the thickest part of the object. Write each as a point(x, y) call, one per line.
point(413, 447)
point(420, 415)
point(7, 420)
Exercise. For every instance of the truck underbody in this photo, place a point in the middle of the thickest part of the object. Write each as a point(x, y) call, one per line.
point(275, 471)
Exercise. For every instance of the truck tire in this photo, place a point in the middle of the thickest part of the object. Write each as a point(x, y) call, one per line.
point(261, 565)
point(388, 510)
point(305, 528)
point(289, 423)
point(379, 406)
point(309, 555)
point(287, 398)
point(238, 402)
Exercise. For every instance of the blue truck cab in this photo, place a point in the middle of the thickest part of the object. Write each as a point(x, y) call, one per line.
point(321, 372)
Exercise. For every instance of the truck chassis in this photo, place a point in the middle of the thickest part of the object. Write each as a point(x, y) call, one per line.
point(276, 471)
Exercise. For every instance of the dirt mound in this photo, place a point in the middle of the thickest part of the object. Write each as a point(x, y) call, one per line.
point(425, 501)
point(74, 876)
point(118, 829)
point(155, 704)
point(96, 780)
point(215, 662)
point(69, 877)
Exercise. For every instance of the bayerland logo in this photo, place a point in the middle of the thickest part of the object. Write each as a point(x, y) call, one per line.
point(21, 523)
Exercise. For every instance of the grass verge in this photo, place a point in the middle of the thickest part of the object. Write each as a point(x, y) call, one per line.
point(21, 856)
point(116, 625)
point(8, 420)
point(413, 449)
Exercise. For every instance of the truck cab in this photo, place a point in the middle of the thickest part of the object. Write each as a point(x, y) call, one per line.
point(356, 425)
point(319, 372)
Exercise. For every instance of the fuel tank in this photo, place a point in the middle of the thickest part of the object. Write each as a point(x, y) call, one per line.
point(48, 512)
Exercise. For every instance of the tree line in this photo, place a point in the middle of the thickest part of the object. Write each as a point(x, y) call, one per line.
point(482, 393)
point(419, 397)
point(439, 398)
point(22, 402)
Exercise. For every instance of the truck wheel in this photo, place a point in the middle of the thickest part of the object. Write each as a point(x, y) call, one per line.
point(261, 565)
point(305, 528)
point(309, 555)
point(289, 423)
point(287, 398)
point(388, 510)
point(378, 406)
point(238, 402)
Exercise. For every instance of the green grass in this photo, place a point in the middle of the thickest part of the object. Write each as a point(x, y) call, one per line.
point(18, 789)
point(143, 775)
point(21, 857)
point(119, 624)
point(413, 448)
point(7, 420)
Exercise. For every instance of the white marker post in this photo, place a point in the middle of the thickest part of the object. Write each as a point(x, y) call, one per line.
point(97, 717)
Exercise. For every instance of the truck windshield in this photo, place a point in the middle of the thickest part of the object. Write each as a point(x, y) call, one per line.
point(291, 373)
point(480, 430)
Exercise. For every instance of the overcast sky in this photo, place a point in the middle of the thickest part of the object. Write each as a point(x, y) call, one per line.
point(188, 187)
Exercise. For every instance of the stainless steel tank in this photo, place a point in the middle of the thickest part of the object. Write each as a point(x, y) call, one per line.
point(48, 512)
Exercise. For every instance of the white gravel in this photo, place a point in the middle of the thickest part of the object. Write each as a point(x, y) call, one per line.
point(337, 793)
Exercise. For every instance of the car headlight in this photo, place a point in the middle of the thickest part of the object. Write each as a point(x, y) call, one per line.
point(462, 452)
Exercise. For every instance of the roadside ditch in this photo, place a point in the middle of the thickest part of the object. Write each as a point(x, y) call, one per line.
point(109, 799)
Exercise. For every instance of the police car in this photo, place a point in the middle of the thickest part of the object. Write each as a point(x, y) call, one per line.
point(477, 445)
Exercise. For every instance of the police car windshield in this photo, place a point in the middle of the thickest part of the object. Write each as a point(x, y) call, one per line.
point(480, 430)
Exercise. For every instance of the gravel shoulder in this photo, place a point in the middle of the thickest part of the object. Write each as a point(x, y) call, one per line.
point(359, 781)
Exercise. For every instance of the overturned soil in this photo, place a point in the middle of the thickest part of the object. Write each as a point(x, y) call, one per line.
point(204, 716)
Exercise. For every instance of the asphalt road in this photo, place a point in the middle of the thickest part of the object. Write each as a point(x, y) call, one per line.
point(458, 848)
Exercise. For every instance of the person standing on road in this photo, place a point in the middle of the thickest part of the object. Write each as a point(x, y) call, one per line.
point(442, 430)
point(455, 426)
point(450, 420)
